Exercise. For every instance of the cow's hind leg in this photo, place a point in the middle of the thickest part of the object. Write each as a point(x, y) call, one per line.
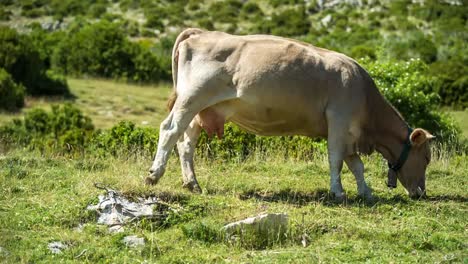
point(356, 166)
point(170, 131)
point(186, 147)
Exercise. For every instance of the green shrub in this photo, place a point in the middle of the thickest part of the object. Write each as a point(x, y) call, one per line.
point(125, 138)
point(103, 50)
point(63, 8)
point(11, 94)
point(414, 44)
point(225, 11)
point(408, 87)
point(451, 82)
point(97, 10)
point(203, 231)
point(238, 145)
point(5, 15)
point(154, 21)
point(288, 22)
point(278, 3)
point(251, 10)
point(63, 129)
point(22, 59)
point(363, 51)
point(33, 13)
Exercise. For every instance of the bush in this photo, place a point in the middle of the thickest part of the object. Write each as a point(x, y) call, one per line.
point(239, 145)
point(451, 82)
point(11, 94)
point(5, 15)
point(409, 88)
point(21, 58)
point(125, 138)
point(289, 22)
point(363, 51)
point(97, 10)
point(413, 45)
point(225, 11)
point(63, 8)
point(154, 21)
point(251, 10)
point(102, 50)
point(63, 129)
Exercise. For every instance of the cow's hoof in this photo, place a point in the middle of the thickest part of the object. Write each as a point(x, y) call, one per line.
point(339, 197)
point(193, 187)
point(366, 196)
point(151, 180)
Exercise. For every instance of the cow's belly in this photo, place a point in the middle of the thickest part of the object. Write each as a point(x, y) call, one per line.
point(261, 119)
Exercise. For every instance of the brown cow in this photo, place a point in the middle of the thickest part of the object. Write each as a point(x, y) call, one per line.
point(270, 85)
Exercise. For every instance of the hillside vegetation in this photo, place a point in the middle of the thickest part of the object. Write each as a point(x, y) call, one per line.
point(91, 38)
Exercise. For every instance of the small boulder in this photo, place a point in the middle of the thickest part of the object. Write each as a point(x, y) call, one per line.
point(265, 225)
point(56, 247)
point(134, 241)
point(4, 252)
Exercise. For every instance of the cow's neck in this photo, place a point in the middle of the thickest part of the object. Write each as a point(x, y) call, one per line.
point(391, 132)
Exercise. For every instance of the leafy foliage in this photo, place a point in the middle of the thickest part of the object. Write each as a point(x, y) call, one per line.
point(21, 58)
point(125, 138)
point(63, 129)
point(11, 94)
point(409, 88)
point(289, 22)
point(102, 50)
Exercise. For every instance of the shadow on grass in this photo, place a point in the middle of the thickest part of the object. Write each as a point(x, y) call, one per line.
point(67, 97)
point(447, 198)
point(320, 195)
point(323, 196)
point(167, 197)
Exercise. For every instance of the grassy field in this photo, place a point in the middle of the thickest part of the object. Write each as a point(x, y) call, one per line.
point(462, 119)
point(43, 198)
point(108, 102)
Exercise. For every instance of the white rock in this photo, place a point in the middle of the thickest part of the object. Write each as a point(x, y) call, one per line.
point(134, 241)
point(4, 252)
point(264, 224)
point(56, 247)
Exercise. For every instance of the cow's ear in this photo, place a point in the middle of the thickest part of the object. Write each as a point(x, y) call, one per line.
point(419, 136)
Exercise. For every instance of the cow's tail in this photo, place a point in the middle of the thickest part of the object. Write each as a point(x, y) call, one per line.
point(175, 59)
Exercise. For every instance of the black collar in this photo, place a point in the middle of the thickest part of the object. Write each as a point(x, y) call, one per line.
point(403, 155)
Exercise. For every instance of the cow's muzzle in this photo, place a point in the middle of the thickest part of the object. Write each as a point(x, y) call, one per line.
point(418, 193)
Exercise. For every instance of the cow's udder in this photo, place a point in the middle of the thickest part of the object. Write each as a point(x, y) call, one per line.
point(212, 122)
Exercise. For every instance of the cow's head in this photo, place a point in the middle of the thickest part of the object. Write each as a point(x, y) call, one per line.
point(412, 174)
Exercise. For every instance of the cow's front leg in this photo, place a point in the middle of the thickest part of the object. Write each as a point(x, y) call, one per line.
point(170, 131)
point(356, 166)
point(186, 147)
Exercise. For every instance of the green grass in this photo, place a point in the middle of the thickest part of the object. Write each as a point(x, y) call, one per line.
point(108, 102)
point(461, 117)
point(43, 198)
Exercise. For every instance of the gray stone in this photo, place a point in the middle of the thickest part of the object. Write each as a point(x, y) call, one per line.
point(115, 210)
point(56, 247)
point(134, 241)
point(4, 252)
